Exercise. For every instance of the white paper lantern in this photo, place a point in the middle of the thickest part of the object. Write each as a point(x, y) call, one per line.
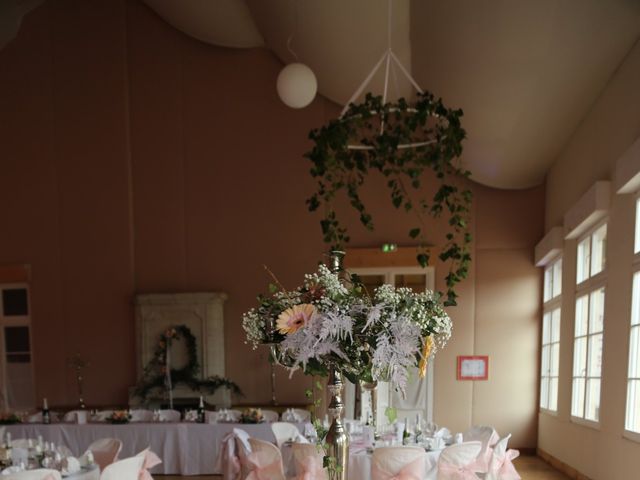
point(297, 85)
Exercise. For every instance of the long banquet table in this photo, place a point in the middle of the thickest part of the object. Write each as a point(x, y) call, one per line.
point(185, 448)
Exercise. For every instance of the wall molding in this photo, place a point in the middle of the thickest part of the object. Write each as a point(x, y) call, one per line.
point(559, 465)
point(549, 247)
point(586, 212)
point(627, 174)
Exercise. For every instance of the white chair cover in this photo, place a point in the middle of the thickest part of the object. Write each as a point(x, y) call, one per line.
point(235, 445)
point(102, 415)
point(234, 415)
point(72, 416)
point(39, 474)
point(296, 415)
point(141, 415)
point(19, 454)
point(488, 437)
point(308, 461)
point(501, 466)
point(149, 460)
point(285, 432)
point(270, 416)
point(398, 463)
point(456, 461)
point(127, 469)
point(264, 462)
point(302, 414)
point(64, 451)
point(169, 416)
point(210, 416)
point(105, 451)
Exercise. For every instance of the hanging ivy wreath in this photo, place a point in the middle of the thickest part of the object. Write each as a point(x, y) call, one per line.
point(155, 373)
point(400, 141)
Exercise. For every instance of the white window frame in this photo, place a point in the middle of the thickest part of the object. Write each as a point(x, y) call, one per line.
point(586, 287)
point(389, 274)
point(14, 321)
point(632, 434)
point(550, 306)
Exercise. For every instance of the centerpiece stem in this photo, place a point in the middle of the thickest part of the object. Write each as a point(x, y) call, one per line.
point(371, 387)
point(337, 439)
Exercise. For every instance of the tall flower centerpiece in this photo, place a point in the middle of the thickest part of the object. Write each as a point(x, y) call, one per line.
point(332, 326)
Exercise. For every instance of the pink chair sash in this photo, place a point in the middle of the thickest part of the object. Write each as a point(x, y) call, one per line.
point(311, 469)
point(150, 461)
point(504, 468)
point(228, 461)
point(456, 472)
point(411, 471)
point(263, 472)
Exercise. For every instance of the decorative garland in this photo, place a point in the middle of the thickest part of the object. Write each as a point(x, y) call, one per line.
point(417, 138)
point(155, 373)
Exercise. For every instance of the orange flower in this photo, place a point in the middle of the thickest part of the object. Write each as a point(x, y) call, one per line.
point(294, 318)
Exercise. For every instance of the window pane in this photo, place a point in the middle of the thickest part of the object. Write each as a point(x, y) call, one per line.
point(598, 250)
point(635, 303)
point(546, 319)
point(580, 357)
point(634, 353)
point(557, 278)
point(554, 356)
point(16, 339)
point(544, 392)
point(582, 270)
point(577, 400)
point(596, 311)
point(553, 394)
point(582, 315)
point(548, 287)
point(555, 325)
point(595, 356)
point(593, 400)
point(544, 366)
point(633, 406)
point(637, 242)
point(15, 302)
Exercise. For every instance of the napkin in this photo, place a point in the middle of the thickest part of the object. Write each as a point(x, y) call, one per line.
point(86, 459)
point(70, 465)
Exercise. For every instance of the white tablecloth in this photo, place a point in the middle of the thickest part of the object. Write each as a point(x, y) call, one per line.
point(92, 474)
point(185, 448)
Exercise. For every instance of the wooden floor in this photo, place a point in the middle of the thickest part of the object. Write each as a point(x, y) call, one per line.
point(529, 468)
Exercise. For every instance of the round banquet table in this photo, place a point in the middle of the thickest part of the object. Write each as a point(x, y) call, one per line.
point(184, 448)
point(360, 463)
point(85, 474)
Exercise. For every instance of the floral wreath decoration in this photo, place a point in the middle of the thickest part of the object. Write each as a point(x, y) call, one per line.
point(155, 373)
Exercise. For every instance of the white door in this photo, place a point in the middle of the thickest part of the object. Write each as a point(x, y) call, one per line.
point(418, 397)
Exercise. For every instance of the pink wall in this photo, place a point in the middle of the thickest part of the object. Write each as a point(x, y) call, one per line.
point(135, 159)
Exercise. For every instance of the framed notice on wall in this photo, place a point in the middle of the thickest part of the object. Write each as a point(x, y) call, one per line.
point(473, 367)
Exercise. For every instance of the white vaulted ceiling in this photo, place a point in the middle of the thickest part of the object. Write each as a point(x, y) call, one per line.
point(524, 72)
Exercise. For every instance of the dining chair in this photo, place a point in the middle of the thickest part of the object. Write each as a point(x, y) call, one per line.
point(399, 463)
point(270, 416)
point(488, 437)
point(105, 451)
point(264, 462)
point(141, 415)
point(501, 466)
point(308, 460)
point(150, 460)
point(38, 474)
point(169, 415)
point(456, 461)
point(284, 432)
point(127, 469)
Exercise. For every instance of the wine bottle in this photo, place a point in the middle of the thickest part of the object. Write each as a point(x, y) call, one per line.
point(405, 434)
point(201, 410)
point(46, 415)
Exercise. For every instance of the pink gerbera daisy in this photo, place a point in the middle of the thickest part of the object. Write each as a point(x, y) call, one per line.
point(294, 318)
